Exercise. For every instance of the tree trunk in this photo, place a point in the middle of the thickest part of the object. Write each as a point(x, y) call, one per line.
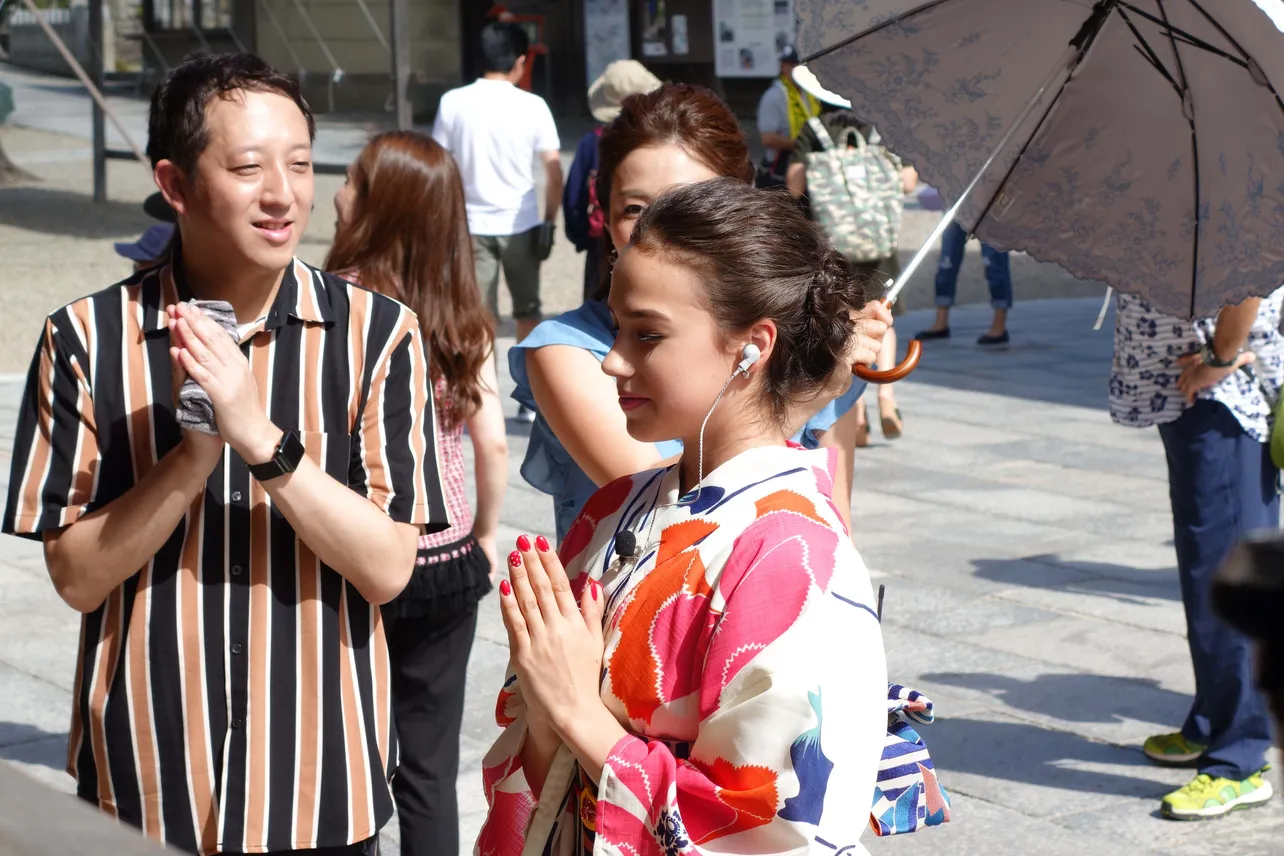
point(10, 172)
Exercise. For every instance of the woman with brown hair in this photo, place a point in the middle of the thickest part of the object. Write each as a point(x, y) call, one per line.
point(402, 231)
point(677, 134)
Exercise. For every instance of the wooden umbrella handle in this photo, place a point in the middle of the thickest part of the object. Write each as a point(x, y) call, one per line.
point(897, 372)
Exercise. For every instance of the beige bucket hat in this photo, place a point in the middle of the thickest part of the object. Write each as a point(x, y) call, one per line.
point(622, 78)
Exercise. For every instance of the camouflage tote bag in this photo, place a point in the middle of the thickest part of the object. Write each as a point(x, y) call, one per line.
point(856, 193)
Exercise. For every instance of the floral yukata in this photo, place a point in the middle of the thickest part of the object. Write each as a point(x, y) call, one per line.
point(743, 656)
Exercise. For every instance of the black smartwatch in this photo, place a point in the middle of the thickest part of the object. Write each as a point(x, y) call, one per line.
point(285, 458)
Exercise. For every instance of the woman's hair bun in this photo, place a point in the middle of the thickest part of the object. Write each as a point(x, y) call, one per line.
point(828, 305)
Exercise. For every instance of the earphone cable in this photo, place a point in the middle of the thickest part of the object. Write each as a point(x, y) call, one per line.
point(646, 542)
point(700, 444)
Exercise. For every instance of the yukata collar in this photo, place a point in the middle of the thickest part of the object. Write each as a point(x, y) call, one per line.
point(747, 468)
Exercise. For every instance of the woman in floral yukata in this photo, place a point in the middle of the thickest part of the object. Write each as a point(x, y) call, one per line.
point(707, 674)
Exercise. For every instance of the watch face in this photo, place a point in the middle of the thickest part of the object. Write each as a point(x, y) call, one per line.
point(289, 452)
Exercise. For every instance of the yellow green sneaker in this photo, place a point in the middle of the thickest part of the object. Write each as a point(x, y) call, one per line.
point(1173, 750)
point(1204, 797)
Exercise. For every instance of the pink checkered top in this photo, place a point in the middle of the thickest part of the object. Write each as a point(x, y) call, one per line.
point(450, 447)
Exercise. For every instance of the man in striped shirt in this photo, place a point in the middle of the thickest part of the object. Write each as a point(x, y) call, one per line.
point(232, 691)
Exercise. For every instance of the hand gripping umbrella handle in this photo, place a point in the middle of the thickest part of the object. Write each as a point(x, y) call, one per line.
point(897, 372)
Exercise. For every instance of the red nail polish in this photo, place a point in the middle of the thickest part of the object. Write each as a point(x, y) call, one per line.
point(504, 588)
point(593, 584)
point(523, 543)
point(515, 559)
point(541, 544)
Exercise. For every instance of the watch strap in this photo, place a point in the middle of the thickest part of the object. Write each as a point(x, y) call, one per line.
point(285, 459)
point(1211, 359)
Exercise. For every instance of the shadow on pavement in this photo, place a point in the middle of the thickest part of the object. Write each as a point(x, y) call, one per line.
point(1076, 697)
point(1017, 752)
point(1055, 356)
point(1118, 582)
point(76, 215)
point(22, 742)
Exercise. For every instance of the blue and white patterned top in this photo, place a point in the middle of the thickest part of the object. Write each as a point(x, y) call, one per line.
point(1143, 381)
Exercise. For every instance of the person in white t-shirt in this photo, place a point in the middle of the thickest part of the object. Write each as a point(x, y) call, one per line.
point(496, 131)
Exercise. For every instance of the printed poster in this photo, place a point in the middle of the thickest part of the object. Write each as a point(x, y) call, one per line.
point(749, 36)
point(681, 43)
point(654, 29)
point(606, 34)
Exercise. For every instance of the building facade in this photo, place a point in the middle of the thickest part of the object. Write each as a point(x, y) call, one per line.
point(340, 48)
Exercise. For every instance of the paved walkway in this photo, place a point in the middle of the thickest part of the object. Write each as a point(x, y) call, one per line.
point(1024, 543)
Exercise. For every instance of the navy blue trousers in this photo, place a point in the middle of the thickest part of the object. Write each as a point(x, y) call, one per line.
point(1222, 485)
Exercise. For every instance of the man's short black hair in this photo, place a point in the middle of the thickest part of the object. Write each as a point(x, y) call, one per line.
point(176, 125)
point(502, 42)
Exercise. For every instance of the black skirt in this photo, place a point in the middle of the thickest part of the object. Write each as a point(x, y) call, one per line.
point(449, 578)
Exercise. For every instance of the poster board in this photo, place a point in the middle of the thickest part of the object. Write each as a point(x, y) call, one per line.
point(749, 36)
point(655, 27)
point(606, 35)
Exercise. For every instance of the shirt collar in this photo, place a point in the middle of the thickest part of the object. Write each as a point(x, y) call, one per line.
point(304, 294)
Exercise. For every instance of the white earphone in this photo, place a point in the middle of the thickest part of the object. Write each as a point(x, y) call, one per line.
point(749, 355)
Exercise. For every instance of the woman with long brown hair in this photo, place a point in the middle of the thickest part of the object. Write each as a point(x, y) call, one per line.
point(402, 231)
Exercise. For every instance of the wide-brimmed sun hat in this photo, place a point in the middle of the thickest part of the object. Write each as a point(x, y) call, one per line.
point(622, 78)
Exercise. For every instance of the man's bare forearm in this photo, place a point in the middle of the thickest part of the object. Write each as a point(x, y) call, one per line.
point(90, 558)
point(347, 531)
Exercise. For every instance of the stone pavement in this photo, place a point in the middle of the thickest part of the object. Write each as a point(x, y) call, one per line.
point(1025, 545)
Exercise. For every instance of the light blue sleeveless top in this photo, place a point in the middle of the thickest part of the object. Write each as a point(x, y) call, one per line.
point(548, 467)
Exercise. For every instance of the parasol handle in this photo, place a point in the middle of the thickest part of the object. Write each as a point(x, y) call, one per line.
point(897, 372)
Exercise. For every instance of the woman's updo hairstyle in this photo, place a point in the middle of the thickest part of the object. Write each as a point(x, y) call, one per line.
point(756, 256)
point(685, 115)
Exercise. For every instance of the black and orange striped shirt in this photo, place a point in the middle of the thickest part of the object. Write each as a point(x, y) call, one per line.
point(233, 695)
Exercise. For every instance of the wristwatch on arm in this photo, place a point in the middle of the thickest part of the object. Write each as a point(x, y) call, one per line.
point(285, 459)
point(1211, 359)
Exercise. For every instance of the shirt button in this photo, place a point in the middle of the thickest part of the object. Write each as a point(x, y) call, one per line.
point(236, 570)
point(236, 648)
point(237, 723)
point(236, 496)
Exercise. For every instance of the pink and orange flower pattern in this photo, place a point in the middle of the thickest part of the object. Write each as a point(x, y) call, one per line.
point(746, 618)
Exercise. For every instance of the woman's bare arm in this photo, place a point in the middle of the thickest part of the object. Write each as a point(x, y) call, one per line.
point(580, 404)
